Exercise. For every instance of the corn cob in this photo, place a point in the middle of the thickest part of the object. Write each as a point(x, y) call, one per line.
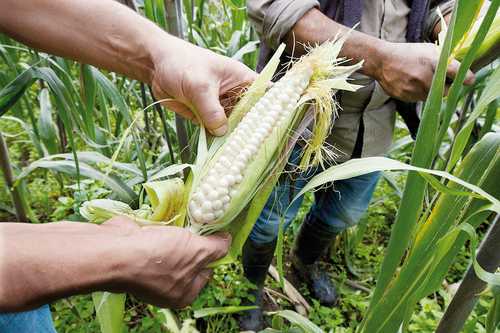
point(229, 180)
point(220, 185)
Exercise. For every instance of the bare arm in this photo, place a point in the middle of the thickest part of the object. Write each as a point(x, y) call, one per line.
point(404, 70)
point(315, 27)
point(40, 263)
point(109, 35)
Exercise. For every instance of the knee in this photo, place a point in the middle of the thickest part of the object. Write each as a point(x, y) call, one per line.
point(265, 230)
point(340, 215)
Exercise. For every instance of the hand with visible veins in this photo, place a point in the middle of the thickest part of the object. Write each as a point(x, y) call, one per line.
point(161, 265)
point(404, 70)
point(197, 81)
point(109, 35)
point(167, 266)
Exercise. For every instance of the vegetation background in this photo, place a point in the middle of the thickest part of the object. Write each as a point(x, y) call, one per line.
point(75, 133)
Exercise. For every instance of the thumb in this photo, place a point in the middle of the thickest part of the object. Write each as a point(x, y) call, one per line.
point(207, 104)
point(470, 78)
point(216, 246)
point(452, 71)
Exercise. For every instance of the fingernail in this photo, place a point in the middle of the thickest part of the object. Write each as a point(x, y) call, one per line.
point(226, 236)
point(220, 131)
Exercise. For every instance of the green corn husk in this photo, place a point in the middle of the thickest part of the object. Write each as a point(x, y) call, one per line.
point(167, 199)
point(327, 77)
point(490, 42)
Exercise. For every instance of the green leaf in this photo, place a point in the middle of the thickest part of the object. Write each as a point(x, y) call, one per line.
point(490, 94)
point(413, 194)
point(11, 93)
point(112, 93)
point(493, 317)
point(174, 169)
point(123, 192)
point(110, 310)
point(92, 157)
point(362, 166)
point(88, 92)
point(206, 312)
point(46, 127)
point(467, 12)
point(490, 278)
point(406, 287)
point(298, 320)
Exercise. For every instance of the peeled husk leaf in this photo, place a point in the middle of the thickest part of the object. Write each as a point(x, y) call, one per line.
point(167, 198)
point(101, 210)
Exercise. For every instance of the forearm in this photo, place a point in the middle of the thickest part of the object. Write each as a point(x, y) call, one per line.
point(44, 262)
point(315, 27)
point(103, 33)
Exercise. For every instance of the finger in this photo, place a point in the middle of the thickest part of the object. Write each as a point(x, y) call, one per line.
point(197, 285)
point(207, 103)
point(419, 94)
point(470, 78)
point(216, 246)
point(452, 71)
point(181, 109)
point(238, 75)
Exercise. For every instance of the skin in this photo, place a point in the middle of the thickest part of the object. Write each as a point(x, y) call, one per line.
point(111, 36)
point(165, 266)
point(404, 70)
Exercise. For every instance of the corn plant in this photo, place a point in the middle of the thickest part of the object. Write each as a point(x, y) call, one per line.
point(428, 244)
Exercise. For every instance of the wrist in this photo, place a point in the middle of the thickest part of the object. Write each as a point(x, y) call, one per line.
point(122, 257)
point(167, 50)
point(377, 54)
point(98, 258)
point(151, 45)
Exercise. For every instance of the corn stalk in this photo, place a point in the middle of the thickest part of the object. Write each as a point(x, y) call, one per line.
point(399, 289)
point(8, 174)
point(471, 286)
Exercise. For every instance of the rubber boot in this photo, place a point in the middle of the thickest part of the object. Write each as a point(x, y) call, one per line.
point(256, 260)
point(311, 243)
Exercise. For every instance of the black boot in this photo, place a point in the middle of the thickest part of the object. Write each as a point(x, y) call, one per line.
point(313, 240)
point(256, 260)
